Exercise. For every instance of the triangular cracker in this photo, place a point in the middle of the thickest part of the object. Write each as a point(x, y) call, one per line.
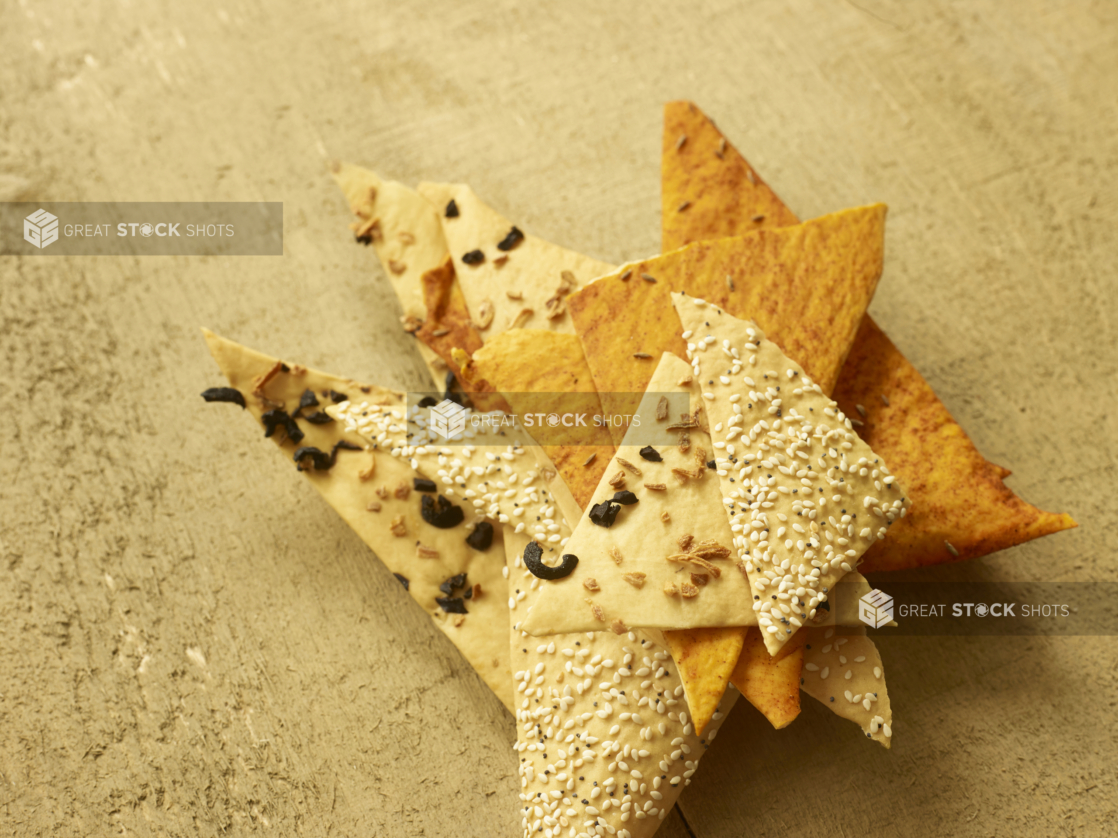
point(961, 507)
point(376, 496)
point(810, 285)
point(771, 684)
point(708, 190)
point(604, 741)
point(661, 557)
point(844, 672)
point(510, 279)
point(807, 497)
point(404, 230)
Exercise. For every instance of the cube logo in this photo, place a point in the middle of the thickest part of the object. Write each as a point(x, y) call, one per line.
point(875, 609)
point(448, 419)
point(40, 228)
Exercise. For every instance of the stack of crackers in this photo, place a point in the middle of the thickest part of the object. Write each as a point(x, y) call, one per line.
point(619, 595)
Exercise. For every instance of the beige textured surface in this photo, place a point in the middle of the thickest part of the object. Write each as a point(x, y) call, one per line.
point(249, 669)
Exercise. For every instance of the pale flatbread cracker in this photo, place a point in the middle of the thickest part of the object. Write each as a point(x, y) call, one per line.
point(604, 740)
point(667, 560)
point(491, 468)
point(524, 285)
point(844, 671)
point(806, 496)
point(375, 495)
point(404, 230)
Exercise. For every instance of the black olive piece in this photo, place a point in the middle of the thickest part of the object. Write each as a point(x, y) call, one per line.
point(319, 417)
point(224, 394)
point(711, 464)
point(422, 484)
point(338, 398)
point(366, 239)
point(452, 605)
point(482, 536)
point(428, 401)
point(651, 454)
point(474, 257)
point(439, 512)
point(452, 209)
point(510, 241)
point(308, 399)
point(533, 560)
point(320, 460)
point(403, 580)
point(274, 418)
point(604, 514)
point(450, 585)
point(625, 497)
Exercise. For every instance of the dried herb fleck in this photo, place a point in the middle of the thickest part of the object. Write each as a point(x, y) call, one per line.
point(474, 257)
point(422, 484)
